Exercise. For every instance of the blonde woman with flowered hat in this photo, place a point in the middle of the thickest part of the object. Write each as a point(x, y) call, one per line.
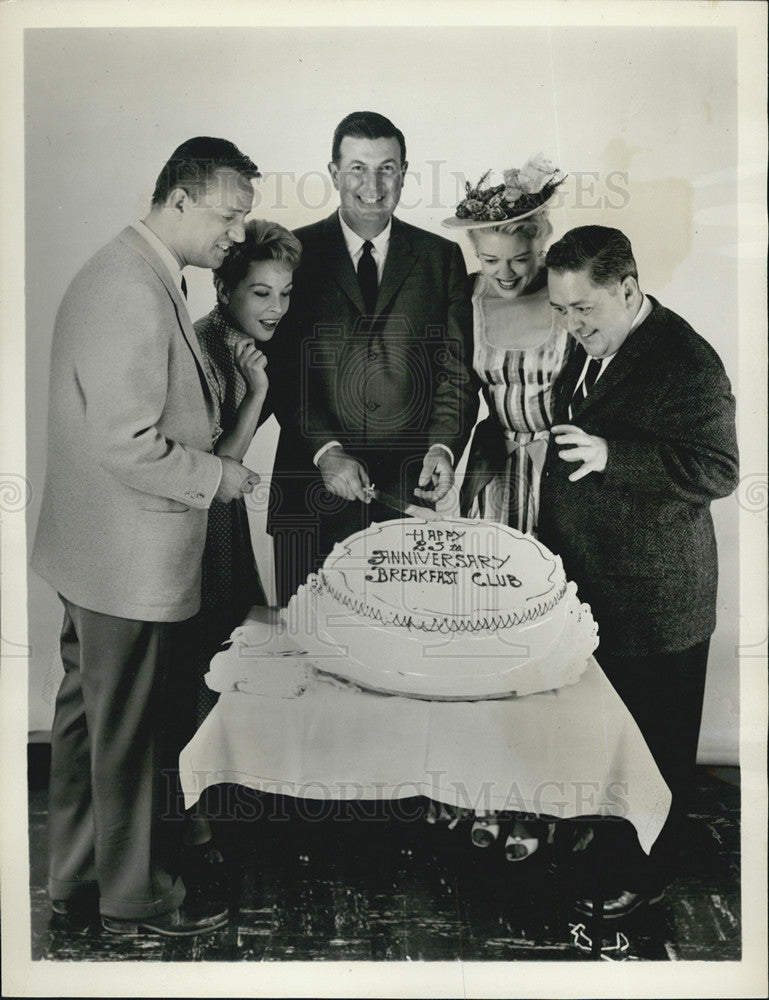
point(518, 353)
point(518, 349)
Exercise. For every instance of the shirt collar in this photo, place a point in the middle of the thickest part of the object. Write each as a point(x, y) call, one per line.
point(162, 251)
point(355, 242)
point(643, 312)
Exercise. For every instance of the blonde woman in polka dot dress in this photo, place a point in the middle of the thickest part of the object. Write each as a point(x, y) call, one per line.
point(253, 288)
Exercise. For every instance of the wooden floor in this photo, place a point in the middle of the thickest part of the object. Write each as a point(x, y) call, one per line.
point(370, 886)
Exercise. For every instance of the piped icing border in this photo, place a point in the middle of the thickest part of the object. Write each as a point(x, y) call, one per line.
point(441, 625)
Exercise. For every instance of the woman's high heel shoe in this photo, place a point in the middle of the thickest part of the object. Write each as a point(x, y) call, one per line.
point(520, 848)
point(485, 831)
point(520, 843)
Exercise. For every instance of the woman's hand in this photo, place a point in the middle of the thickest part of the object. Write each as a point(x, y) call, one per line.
point(236, 437)
point(252, 364)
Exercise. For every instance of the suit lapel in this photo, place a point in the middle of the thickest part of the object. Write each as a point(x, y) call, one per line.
point(339, 263)
point(140, 246)
point(400, 260)
point(637, 344)
point(620, 366)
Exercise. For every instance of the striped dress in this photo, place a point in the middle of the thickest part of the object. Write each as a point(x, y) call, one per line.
point(517, 385)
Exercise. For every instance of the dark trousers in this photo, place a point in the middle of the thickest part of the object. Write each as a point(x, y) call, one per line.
point(301, 546)
point(663, 692)
point(115, 814)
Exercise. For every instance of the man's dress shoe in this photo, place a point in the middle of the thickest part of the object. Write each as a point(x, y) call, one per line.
point(620, 906)
point(177, 923)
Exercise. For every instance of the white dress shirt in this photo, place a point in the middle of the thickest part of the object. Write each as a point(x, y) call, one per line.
point(355, 243)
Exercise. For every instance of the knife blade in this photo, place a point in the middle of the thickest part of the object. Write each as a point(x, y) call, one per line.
point(410, 509)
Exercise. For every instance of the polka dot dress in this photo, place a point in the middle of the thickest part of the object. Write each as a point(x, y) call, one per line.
point(231, 583)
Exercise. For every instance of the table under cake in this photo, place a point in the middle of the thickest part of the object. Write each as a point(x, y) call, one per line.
point(567, 753)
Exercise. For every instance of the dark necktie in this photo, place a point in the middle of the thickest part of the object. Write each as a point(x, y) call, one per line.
point(367, 277)
point(593, 368)
point(184, 287)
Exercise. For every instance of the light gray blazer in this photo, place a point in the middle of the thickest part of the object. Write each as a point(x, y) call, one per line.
point(130, 473)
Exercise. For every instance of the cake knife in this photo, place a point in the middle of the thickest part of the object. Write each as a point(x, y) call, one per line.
point(411, 509)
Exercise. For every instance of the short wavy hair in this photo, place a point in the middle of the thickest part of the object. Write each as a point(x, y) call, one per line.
point(605, 253)
point(366, 125)
point(193, 165)
point(264, 240)
point(537, 228)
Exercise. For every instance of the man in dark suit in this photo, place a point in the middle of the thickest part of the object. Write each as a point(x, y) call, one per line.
point(376, 387)
point(122, 526)
point(644, 441)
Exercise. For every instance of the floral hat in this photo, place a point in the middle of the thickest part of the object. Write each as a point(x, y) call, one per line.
point(523, 192)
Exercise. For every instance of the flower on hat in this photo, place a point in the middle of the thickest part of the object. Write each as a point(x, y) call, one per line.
point(511, 176)
point(539, 171)
point(523, 191)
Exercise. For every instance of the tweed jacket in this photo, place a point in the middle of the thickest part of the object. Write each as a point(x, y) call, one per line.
point(130, 472)
point(386, 387)
point(638, 538)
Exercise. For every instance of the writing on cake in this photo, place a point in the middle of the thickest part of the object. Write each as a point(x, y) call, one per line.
point(436, 556)
point(407, 567)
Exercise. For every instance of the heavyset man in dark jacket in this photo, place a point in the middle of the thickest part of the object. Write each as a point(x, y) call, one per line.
point(644, 440)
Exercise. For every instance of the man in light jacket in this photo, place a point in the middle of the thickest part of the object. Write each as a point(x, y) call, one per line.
point(130, 475)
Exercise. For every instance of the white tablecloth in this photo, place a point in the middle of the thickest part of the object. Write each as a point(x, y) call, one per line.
point(566, 753)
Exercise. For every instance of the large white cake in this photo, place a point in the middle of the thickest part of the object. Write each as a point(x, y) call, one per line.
point(452, 609)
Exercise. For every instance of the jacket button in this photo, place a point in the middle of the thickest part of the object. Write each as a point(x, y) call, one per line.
point(372, 355)
point(372, 406)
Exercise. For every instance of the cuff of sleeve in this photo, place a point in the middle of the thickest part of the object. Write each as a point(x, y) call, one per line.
point(322, 451)
point(208, 477)
point(218, 481)
point(446, 448)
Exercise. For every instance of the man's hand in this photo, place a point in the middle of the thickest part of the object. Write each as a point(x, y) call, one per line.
point(437, 474)
point(592, 451)
point(236, 480)
point(343, 475)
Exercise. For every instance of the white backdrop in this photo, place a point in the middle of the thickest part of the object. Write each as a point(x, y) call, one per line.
point(644, 119)
point(674, 100)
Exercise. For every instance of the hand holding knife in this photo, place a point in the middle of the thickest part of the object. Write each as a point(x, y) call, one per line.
point(401, 506)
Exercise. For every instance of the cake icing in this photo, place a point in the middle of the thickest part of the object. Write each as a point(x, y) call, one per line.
point(457, 609)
